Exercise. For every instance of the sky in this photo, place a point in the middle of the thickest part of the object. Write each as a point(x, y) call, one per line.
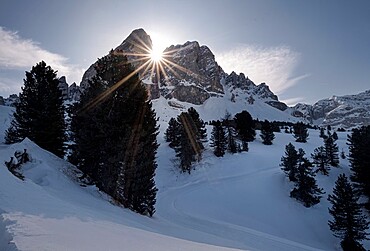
point(304, 50)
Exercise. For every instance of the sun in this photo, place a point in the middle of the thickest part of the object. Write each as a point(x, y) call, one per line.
point(156, 55)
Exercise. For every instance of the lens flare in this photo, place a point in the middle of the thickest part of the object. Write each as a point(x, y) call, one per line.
point(156, 55)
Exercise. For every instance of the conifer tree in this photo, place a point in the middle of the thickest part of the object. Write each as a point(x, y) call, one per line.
point(114, 129)
point(232, 146)
point(172, 133)
point(359, 157)
point(322, 133)
point(231, 134)
point(300, 132)
point(306, 189)
point(331, 149)
point(348, 223)
point(267, 133)
point(245, 126)
point(189, 148)
point(320, 159)
point(289, 162)
point(39, 114)
point(335, 136)
point(218, 139)
point(200, 126)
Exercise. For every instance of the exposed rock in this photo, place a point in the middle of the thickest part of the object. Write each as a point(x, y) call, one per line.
point(63, 86)
point(190, 94)
point(193, 74)
point(2, 101)
point(240, 82)
point(74, 92)
point(277, 104)
point(175, 104)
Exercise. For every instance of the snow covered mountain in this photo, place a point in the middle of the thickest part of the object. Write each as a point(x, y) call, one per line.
point(191, 76)
point(339, 111)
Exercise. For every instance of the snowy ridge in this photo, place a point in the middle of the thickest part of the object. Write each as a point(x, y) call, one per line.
point(347, 111)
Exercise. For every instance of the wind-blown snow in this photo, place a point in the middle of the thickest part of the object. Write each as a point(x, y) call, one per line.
point(239, 201)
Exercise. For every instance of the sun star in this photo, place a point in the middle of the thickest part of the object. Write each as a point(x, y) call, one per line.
point(156, 55)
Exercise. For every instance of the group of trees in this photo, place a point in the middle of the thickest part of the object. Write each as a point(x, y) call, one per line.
point(232, 135)
point(113, 129)
point(348, 223)
point(186, 135)
point(327, 155)
point(299, 170)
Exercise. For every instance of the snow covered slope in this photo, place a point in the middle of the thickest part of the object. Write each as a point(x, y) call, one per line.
point(239, 201)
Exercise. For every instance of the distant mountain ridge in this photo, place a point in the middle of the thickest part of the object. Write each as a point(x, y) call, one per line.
point(339, 111)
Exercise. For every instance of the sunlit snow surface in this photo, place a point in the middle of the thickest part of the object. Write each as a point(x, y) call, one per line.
point(239, 201)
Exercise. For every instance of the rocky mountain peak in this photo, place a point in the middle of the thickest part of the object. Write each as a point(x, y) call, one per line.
point(138, 43)
point(192, 75)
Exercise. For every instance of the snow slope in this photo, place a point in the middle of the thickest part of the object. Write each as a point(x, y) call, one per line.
point(236, 202)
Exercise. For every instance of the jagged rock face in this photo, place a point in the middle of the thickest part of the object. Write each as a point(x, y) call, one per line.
point(193, 74)
point(137, 44)
point(304, 111)
point(2, 101)
point(261, 91)
point(239, 81)
point(63, 86)
point(74, 92)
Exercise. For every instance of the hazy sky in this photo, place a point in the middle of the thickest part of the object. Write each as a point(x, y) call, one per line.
point(304, 50)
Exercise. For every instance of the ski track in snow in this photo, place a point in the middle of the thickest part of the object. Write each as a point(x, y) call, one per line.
point(241, 236)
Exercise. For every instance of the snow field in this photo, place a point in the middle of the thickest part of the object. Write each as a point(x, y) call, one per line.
point(238, 201)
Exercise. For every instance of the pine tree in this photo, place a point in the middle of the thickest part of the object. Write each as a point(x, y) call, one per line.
point(245, 126)
point(172, 133)
point(231, 134)
point(320, 159)
point(335, 136)
point(39, 114)
point(289, 162)
point(300, 132)
point(322, 133)
point(200, 126)
point(359, 157)
point(267, 133)
point(114, 129)
point(306, 189)
point(189, 148)
point(232, 146)
point(331, 149)
point(218, 139)
point(348, 223)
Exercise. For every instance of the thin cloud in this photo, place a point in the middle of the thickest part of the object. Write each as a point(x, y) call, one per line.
point(293, 101)
point(273, 65)
point(17, 53)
